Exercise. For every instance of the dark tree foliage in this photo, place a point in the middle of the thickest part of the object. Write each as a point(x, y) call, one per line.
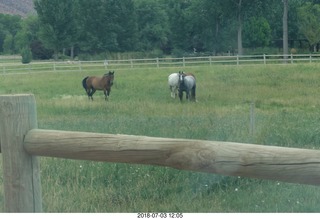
point(107, 25)
point(57, 29)
point(176, 27)
point(10, 25)
point(153, 25)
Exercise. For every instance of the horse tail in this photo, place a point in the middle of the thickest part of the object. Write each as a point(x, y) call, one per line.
point(84, 82)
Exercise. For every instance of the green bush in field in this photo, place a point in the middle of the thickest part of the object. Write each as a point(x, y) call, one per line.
point(26, 55)
point(286, 100)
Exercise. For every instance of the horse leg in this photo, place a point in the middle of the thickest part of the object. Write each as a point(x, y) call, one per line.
point(188, 95)
point(193, 94)
point(180, 95)
point(175, 92)
point(88, 92)
point(92, 92)
point(171, 91)
point(106, 94)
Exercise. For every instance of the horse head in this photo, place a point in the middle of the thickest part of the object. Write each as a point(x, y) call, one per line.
point(187, 83)
point(109, 77)
point(181, 78)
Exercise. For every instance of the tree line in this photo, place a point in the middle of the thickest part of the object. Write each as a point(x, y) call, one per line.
point(162, 27)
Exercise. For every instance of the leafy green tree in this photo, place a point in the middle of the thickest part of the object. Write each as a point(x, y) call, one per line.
point(107, 25)
point(209, 20)
point(308, 22)
point(8, 44)
point(26, 55)
point(2, 37)
point(153, 25)
point(98, 29)
point(177, 26)
point(29, 30)
point(285, 28)
point(57, 23)
point(257, 32)
point(28, 37)
point(180, 25)
point(9, 27)
point(240, 12)
point(127, 26)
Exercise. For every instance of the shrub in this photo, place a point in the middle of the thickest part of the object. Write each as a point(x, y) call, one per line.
point(26, 55)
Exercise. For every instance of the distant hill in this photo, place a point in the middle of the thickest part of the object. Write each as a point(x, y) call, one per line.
point(17, 7)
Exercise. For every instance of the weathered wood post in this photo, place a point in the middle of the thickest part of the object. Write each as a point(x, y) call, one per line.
point(21, 171)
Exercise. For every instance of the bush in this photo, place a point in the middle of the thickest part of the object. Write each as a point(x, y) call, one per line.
point(26, 55)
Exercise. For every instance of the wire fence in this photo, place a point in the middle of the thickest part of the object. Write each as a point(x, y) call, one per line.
point(13, 65)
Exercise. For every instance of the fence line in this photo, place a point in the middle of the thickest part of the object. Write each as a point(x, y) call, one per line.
point(22, 142)
point(91, 66)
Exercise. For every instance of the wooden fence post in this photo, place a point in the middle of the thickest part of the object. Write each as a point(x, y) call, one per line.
point(252, 120)
point(21, 171)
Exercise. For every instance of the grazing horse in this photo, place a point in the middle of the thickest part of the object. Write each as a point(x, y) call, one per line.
point(93, 83)
point(187, 83)
point(173, 81)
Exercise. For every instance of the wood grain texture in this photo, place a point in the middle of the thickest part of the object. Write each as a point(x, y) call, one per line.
point(21, 172)
point(226, 158)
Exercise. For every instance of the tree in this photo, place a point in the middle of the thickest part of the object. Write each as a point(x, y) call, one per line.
point(308, 22)
point(127, 27)
point(179, 23)
point(210, 26)
point(9, 27)
point(240, 48)
point(57, 23)
point(243, 10)
point(28, 37)
point(107, 25)
point(257, 32)
point(8, 44)
point(285, 29)
point(153, 25)
point(26, 55)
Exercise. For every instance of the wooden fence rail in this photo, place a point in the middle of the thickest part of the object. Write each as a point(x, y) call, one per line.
point(99, 65)
point(21, 142)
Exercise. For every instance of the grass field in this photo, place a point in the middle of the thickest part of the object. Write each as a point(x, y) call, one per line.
point(286, 100)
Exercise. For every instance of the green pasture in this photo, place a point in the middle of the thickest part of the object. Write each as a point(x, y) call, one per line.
point(286, 113)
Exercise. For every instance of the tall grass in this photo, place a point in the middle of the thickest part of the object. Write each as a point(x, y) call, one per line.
point(286, 102)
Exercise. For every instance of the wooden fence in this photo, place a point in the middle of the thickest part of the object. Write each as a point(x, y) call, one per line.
point(21, 143)
point(91, 66)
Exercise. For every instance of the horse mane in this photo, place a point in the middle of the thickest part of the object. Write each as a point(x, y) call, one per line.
point(110, 73)
point(186, 74)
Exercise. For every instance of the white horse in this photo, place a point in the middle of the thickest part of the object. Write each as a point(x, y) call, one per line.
point(187, 83)
point(173, 81)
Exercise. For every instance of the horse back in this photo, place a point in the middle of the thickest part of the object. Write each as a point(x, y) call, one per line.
point(173, 79)
point(190, 81)
point(95, 82)
point(190, 74)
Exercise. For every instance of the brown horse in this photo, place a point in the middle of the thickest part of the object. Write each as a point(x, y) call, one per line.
point(93, 83)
